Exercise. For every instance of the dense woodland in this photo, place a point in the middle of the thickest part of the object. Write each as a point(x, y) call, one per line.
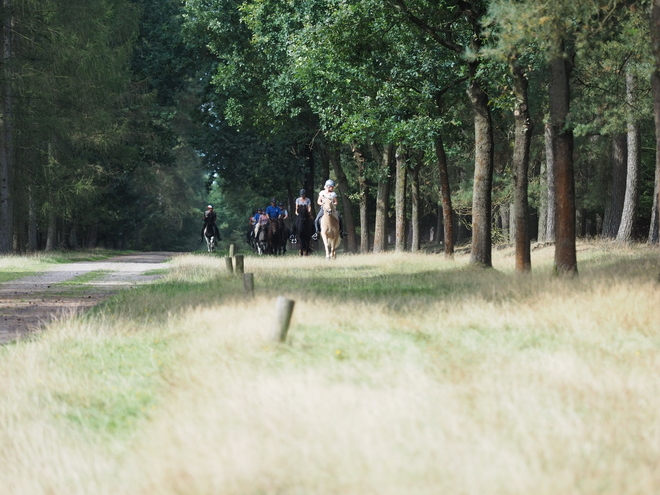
point(449, 122)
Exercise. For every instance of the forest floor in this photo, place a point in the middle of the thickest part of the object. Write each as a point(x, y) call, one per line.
point(28, 303)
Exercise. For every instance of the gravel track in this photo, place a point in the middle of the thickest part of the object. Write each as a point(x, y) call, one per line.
point(28, 303)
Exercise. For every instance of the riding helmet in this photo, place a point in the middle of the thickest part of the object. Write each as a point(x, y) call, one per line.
point(273, 200)
point(302, 192)
point(209, 207)
point(329, 182)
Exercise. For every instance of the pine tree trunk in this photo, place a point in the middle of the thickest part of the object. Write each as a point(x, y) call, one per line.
point(551, 218)
point(51, 235)
point(483, 176)
point(520, 167)
point(32, 221)
point(543, 203)
point(655, 85)
point(358, 155)
point(617, 189)
point(385, 158)
point(631, 199)
point(416, 240)
point(6, 135)
point(565, 249)
point(653, 229)
point(400, 200)
point(447, 210)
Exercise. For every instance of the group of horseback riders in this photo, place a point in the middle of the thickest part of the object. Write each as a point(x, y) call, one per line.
point(262, 218)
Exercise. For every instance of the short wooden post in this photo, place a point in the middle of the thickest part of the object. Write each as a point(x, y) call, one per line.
point(238, 260)
point(248, 284)
point(284, 312)
point(232, 249)
point(229, 265)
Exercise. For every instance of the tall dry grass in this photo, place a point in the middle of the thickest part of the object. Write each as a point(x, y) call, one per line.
point(497, 384)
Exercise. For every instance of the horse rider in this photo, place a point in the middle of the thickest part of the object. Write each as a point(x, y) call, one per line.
point(209, 220)
point(327, 192)
point(302, 203)
point(284, 213)
point(273, 211)
point(252, 221)
point(261, 222)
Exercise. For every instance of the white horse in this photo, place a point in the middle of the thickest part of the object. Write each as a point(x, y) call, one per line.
point(211, 241)
point(330, 228)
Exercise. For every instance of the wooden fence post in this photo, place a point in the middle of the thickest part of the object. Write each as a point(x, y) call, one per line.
point(239, 264)
point(284, 312)
point(232, 249)
point(248, 284)
point(229, 265)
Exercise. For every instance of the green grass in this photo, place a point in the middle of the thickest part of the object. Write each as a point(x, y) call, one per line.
point(401, 374)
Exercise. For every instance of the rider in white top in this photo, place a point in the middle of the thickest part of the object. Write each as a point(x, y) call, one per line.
point(327, 192)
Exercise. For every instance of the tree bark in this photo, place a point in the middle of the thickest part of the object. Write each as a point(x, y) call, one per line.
point(655, 85)
point(416, 241)
point(447, 210)
point(551, 211)
point(400, 200)
point(32, 221)
point(653, 229)
point(483, 175)
point(521, 147)
point(617, 189)
point(631, 198)
point(6, 135)
point(559, 92)
point(385, 158)
point(358, 155)
point(344, 191)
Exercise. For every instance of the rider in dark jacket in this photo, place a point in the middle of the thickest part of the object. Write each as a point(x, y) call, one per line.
point(209, 219)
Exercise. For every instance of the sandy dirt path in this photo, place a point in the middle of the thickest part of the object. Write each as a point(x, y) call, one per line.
point(28, 303)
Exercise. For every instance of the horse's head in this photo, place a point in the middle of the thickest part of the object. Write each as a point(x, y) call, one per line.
point(328, 206)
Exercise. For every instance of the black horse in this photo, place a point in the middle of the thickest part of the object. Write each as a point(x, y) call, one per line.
point(210, 235)
point(304, 230)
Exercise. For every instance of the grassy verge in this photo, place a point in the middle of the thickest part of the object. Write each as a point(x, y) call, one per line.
point(402, 374)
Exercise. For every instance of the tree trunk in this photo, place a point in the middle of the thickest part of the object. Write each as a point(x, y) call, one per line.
point(344, 191)
point(6, 135)
point(358, 155)
point(559, 92)
point(32, 221)
point(400, 200)
point(617, 189)
point(447, 210)
point(631, 199)
point(51, 236)
point(655, 84)
point(483, 174)
point(543, 203)
point(520, 167)
point(653, 229)
point(416, 240)
point(551, 218)
point(310, 167)
point(385, 159)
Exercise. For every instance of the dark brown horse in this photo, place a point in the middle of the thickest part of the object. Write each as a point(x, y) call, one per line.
point(304, 230)
point(274, 236)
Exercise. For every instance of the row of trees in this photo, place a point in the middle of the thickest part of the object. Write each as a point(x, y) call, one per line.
point(465, 103)
point(93, 136)
point(483, 120)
